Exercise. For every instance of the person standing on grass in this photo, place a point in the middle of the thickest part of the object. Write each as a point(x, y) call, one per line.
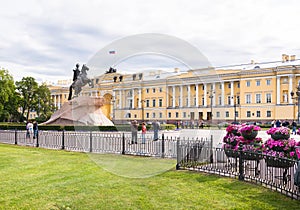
point(134, 130)
point(155, 126)
point(29, 129)
point(144, 129)
point(35, 129)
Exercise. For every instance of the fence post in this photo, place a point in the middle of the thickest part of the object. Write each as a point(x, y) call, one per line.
point(211, 150)
point(241, 163)
point(16, 136)
point(91, 141)
point(163, 146)
point(123, 144)
point(37, 138)
point(178, 154)
point(63, 140)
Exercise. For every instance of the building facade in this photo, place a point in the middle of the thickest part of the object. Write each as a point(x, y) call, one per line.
point(246, 93)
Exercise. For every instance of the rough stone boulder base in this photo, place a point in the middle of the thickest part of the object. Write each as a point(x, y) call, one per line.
point(83, 110)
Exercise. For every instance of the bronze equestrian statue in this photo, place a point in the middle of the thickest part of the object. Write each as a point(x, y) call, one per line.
point(80, 79)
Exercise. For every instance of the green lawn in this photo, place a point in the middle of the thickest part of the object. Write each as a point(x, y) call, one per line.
point(33, 178)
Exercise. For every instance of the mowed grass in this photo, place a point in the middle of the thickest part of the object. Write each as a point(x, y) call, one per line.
point(34, 178)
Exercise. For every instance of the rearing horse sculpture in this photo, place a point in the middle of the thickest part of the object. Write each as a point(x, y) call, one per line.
point(81, 81)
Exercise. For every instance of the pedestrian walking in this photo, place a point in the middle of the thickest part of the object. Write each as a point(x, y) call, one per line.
point(29, 129)
point(156, 126)
point(134, 130)
point(294, 125)
point(144, 129)
point(35, 129)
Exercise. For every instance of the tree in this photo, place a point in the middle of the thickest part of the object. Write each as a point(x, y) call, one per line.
point(9, 99)
point(43, 104)
point(35, 97)
point(27, 88)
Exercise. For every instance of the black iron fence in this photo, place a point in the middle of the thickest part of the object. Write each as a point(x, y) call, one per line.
point(274, 173)
point(99, 142)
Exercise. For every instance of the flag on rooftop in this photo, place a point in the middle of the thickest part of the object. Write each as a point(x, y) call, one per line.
point(112, 52)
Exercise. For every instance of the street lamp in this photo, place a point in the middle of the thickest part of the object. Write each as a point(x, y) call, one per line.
point(211, 95)
point(298, 100)
point(234, 106)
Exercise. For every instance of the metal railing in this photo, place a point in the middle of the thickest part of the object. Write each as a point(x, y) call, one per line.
point(97, 142)
point(274, 173)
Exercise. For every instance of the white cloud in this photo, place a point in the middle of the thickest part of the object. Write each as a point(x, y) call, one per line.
point(46, 38)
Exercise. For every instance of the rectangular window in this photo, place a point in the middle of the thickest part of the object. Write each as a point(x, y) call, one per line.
point(268, 98)
point(153, 115)
point(220, 87)
point(238, 85)
point(195, 102)
point(169, 115)
point(160, 115)
point(160, 90)
point(177, 114)
point(268, 113)
point(147, 90)
point(257, 82)
point(202, 101)
point(248, 83)
point(220, 100)
point(236, 114)
point(228, 99)
point(187, 101)
point(248, 113)
point(184, 114)
point(257, 113)
point(248, 99)
point(160, 102)
point(153, 102)
point(195, 87)
point(238, 100)
point(226, 114)
point(229, 85)
point(268, 82)
point(153, 90)
point(218, 114)
point(130, 103)
point(202, 87)
point(147, 103)
point(258, 98)
point(147, 115)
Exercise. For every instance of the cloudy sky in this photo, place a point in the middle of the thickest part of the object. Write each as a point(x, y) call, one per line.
point(45, 39)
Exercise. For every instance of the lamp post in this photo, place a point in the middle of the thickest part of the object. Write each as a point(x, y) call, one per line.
point(298, 100)
point(234, 106)
point(211, 96)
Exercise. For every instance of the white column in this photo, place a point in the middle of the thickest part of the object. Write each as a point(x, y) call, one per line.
point(278, 90)
point(174, 97)
point(204, 93)
point(140, 98)
point(189, 95)
point(231, 93)
point(167, 97)
point(290, 88)
point(132, 98)
point(214, 98)
point(223, 93)
point(55, 101)
point(120, 105)
point(58, 101)
point(181, 96)
point(197, 93)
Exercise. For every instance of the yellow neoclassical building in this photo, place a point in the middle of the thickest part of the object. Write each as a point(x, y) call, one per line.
point(252, 92)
